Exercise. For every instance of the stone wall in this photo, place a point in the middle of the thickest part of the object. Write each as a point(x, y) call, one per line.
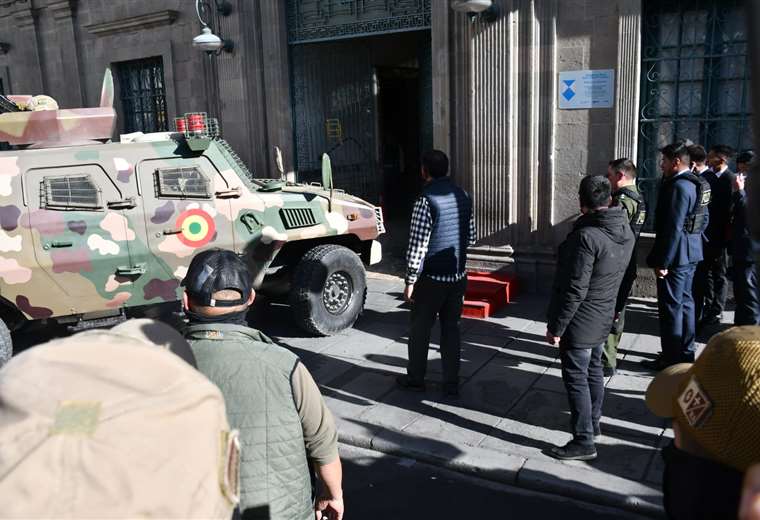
point(62, 47)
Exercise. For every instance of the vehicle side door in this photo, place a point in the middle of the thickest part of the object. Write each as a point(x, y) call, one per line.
point(81, 239)
point(183, 216)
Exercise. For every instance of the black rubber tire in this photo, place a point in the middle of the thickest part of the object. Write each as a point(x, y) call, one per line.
point(309, 277)
point(6, 344)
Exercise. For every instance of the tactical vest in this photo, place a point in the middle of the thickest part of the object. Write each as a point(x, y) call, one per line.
point(254, 375)
point(699, 217)
point(640, 215)
point(450, 209)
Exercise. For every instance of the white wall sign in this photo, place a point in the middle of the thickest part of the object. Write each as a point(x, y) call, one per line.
point(586, 88)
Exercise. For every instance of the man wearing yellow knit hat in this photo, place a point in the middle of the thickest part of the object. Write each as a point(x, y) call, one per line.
point(715, 406)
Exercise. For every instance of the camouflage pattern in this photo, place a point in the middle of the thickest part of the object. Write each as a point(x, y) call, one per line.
point(134, 249)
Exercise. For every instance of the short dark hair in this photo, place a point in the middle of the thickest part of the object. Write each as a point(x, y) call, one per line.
point(677, 150)
point(723, 150)
point(625, 166)
point(436, 163)
point(747, 156)
point(594, 191)
point(697, 153)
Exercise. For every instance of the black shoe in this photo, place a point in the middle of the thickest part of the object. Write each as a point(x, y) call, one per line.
point(710, 320)
point(573, 450)
point(451, 389)
point(609, 371)
point(406, 383)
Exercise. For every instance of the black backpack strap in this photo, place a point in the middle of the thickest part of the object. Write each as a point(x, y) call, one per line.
point(628, 192)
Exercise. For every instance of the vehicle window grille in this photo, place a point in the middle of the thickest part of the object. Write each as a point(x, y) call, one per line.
point(294, 218)
point(183, 183)
point(379, 219)
point(143, 95)
point(70, 192)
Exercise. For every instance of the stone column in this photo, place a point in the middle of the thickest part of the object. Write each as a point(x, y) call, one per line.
point(279, 116)
point(441, 75)
point(63, 13)
point(628, 79)
point(26, 24)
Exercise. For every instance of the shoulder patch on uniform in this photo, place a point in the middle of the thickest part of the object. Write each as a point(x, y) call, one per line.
point(695, 404)
point(212, 334)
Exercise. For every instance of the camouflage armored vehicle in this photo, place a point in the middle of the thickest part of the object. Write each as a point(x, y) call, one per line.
point(92, 229)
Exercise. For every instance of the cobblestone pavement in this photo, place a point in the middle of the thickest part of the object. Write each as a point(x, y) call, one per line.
point(512, 406)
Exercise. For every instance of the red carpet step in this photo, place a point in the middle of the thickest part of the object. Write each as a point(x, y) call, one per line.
point(486, 293)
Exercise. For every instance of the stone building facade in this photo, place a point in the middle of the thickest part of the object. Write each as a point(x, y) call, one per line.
point(376, 82)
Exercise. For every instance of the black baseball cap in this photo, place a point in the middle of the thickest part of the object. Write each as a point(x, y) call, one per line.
point(217, 270)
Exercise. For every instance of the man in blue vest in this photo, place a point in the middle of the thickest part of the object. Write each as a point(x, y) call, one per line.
point(680, 218)
point(441, 229)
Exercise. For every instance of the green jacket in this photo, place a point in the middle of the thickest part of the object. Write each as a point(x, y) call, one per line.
point(635, 217)
point(254, 375)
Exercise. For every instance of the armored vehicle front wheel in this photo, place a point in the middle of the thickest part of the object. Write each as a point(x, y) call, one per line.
point(328, 291)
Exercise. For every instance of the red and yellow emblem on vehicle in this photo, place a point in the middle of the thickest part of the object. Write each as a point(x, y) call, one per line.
point(197, 227)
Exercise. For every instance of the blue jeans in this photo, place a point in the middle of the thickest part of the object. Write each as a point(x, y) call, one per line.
point(584, 381)
point(676, 309)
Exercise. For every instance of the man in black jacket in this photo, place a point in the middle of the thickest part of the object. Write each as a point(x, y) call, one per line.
point(743, 249)
point(590, 268)
point(710, 281)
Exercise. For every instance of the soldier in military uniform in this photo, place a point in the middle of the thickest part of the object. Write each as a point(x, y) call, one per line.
point(622, 176)
point(285, 426)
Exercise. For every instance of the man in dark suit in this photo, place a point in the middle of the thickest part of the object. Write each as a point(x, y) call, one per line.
point(743, 247)
point(679, 221)
point(711, 284)
point(698, 157)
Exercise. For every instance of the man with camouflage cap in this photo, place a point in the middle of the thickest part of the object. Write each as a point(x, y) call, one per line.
point(284, 423)
point(715, 406)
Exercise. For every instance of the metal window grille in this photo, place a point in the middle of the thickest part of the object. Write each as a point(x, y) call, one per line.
point(695, 80)
point(70, 192)
point(320, 20)
point(143, 95)
point(183, 183)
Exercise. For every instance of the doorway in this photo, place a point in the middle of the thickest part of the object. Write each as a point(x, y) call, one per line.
point(367, 101)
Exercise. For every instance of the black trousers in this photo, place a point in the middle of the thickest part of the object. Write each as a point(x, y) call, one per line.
point(442, 300)
point(711, 284)
point(746, 294)
point(584, 381)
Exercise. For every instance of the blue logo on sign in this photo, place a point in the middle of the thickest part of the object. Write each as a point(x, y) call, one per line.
point(568, 93)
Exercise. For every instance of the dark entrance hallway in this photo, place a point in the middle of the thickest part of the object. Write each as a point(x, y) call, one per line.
point(368, 103)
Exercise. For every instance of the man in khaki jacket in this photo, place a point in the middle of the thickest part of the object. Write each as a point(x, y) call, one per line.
point(285, 426)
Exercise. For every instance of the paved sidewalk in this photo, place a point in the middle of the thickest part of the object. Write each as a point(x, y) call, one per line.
point(513, 404)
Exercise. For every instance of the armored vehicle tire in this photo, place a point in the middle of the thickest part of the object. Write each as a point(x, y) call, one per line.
point(6, 344)
point(328, 291)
